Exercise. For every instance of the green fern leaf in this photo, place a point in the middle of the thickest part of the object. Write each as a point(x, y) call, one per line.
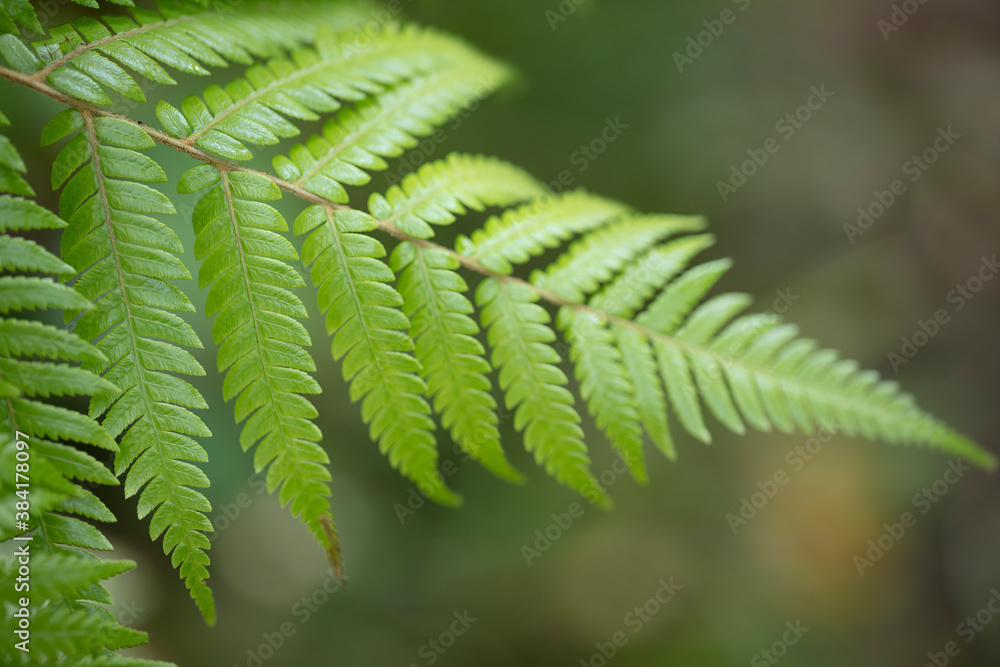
point(599, 255)
point(69, 621)
point(648, 341)
point(441, 190)
point(124, 259)
point(528, 231)
point(622, 298)
point(33, 378)
point(751, 369)
point(18, 293)
point(17, 254)
point(604, 382)
point(262, 343)
point(18, 12)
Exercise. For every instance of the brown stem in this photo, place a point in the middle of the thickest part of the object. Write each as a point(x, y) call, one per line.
point(388, 228)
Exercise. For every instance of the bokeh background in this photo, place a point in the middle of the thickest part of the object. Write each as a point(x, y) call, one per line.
point(795, 561)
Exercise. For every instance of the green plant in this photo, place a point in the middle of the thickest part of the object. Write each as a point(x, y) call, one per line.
point(641, 330)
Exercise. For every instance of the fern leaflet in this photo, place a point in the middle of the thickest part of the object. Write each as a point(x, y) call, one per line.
point(261, 342)
point(124, 261)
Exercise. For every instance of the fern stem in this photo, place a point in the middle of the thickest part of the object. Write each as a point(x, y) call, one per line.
point(158, 136)
point(470, 264)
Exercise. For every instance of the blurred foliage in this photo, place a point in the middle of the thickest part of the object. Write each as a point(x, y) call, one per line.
point(795, 560)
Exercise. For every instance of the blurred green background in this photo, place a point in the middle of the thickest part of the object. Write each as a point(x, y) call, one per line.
point(795, 560)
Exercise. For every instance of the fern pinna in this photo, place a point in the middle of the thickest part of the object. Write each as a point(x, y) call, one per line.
point(418, 327)
point(125, 259)
point(61, 612)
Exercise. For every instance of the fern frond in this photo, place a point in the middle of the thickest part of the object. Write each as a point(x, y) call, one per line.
point(645, 335)
point(18, 293)
point(442, 190)
point(628, 293)
point(452, 361)
point(364, 316)
point(255, 109)
point(22, 255)
point(601, 254)
point(87, 58)
point(605, 385)
point(69, 621)
point(261, 341)
point(22, 378)
point(124, 259)
point(359, 139)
